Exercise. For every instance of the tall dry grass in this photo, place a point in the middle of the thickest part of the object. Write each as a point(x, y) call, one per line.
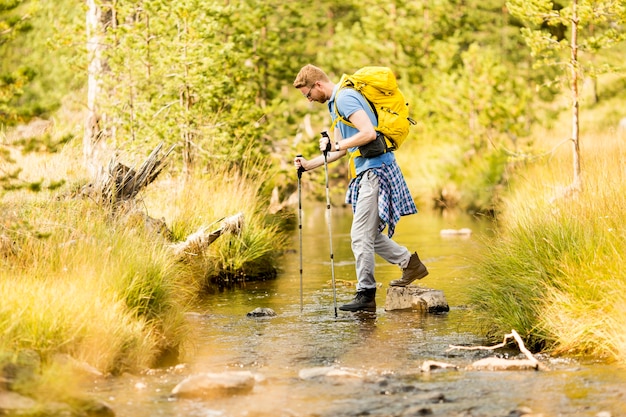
point(555, 270)
point(76, 281)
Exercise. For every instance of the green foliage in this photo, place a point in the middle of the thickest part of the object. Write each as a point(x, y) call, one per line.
point(215, 78)
point(483, 181)
point(143, 288)
point(12, 22)
point(38, 66)
point(218, 116)
point(200, 74)
point(600, 27)
point(12, 87)
point(469, 86)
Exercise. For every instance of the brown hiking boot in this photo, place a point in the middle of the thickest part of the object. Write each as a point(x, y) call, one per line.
point(414, 270)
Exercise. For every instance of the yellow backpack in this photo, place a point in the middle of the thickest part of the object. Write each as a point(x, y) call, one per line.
point(380, 87)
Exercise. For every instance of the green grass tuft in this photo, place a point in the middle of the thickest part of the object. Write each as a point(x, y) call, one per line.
point(553, 272)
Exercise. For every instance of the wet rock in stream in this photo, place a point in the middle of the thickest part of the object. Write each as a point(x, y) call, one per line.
point(212, 385)
point(326, 371)
point(262, 312)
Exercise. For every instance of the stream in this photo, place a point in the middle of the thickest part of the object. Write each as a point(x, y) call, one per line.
point(381, 353)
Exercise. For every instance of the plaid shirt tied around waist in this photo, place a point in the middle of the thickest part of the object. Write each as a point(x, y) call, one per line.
point(394, 197)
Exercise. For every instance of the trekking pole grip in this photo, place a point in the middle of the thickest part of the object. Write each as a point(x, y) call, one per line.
point(300, 168)
point(325, 135)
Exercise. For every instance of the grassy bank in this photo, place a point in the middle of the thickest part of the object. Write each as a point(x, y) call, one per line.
point(106, 291)
point(554, 271)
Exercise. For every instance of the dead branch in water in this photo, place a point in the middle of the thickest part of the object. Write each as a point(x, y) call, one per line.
point(498, 363)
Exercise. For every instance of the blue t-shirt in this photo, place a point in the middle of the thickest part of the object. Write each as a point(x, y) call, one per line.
point(348, 102)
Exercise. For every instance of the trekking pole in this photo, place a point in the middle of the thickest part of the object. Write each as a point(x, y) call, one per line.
point(330, 233)
point(300, 171)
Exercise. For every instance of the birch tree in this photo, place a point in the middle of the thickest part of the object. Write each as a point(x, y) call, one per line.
point(99, 18)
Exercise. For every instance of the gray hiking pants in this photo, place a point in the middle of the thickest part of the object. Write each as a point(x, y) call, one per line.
point(367, 240)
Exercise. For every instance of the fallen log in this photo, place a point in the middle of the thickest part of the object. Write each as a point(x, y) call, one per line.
point(197, 242)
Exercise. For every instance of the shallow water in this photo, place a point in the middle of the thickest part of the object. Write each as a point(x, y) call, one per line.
point(383, 351)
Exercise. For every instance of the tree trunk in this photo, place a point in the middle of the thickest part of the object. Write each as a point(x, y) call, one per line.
point(123, 183)
point(186, 101)
point(97, 20)
point(577, 181)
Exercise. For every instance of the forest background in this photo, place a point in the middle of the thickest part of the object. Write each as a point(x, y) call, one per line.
point(494, 86)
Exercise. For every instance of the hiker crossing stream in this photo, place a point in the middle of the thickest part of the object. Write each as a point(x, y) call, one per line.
point(306, 362)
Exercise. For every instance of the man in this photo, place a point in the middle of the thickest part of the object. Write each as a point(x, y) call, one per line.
point(378, 194)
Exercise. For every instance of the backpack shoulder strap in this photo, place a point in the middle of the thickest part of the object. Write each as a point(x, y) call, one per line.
point(347, 82)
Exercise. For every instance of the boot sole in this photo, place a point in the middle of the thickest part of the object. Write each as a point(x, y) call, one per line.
point(342, 308)
point(403, 284)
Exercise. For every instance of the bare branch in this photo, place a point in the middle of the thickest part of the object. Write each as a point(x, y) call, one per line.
point(531, 362)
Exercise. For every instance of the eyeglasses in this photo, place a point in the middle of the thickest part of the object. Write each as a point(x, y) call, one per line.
point(308, 95)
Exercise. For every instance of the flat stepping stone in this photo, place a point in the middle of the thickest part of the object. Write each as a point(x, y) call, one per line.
point(416, 298)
